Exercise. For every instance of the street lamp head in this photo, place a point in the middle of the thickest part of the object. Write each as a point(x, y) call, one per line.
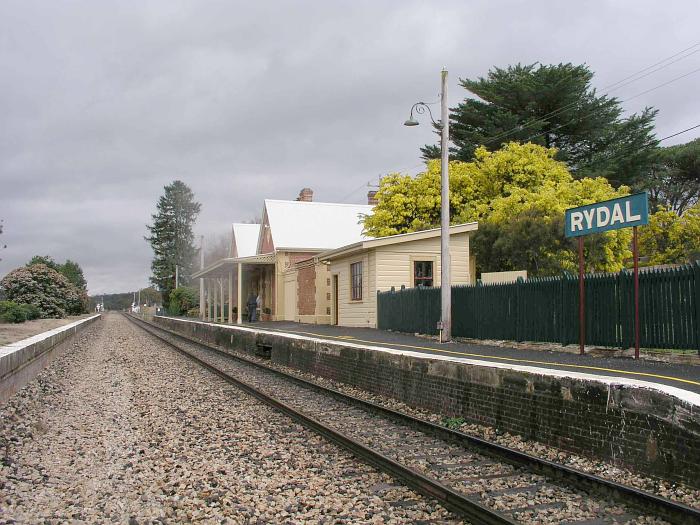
point(420, 108)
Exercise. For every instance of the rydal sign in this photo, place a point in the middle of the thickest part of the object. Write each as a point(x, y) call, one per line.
point(614, 214)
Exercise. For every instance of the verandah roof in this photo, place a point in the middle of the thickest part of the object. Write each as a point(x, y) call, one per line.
point(223, 267)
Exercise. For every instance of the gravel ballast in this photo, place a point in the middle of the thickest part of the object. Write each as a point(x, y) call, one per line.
point(677, 492)
point(525, 495)
point(122, 429)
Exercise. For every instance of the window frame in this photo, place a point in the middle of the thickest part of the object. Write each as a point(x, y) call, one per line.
point(416, 280)
point(356, 281)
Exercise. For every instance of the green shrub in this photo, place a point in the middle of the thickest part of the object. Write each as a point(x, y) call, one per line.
point(31, 312)
point(453, 422)
point(182, 299)
point(45, 288)
point(193, 312)
point(11, 312)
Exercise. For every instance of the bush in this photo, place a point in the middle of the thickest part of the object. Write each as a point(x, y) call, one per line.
point(31, 312)
point(49, 291)
point(182, 299)
point(193, 312)
point(11, 312)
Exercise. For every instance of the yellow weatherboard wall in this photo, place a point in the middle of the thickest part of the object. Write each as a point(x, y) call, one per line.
point(391, 264)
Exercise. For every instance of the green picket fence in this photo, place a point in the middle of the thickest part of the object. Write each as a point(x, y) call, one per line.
point(546, 309)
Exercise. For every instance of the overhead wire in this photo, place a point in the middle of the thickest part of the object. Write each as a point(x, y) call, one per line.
point(625, 100)
point(632, 149)
point(615, 85)
point(369, 184)
point(364, 185)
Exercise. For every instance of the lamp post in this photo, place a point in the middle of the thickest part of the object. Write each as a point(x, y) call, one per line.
point(445, 325)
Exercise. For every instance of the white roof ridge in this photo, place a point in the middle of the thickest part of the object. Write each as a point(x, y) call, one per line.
point(320, 202)
point(317, 226)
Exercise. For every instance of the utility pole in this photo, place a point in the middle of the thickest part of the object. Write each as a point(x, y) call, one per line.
point(445, 324)
point(201, 279)
point(445, 277)
point(139, 297)
point(177, 276)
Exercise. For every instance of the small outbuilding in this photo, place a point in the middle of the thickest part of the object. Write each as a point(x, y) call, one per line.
point(358, 271)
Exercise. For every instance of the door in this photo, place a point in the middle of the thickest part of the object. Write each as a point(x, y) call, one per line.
point(290, 299)
point(335, 300)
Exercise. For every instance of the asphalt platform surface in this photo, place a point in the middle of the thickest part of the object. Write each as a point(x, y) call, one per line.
point(683, 376)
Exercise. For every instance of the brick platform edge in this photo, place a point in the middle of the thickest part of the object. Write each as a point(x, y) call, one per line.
point(644, 429)
point(20, 362)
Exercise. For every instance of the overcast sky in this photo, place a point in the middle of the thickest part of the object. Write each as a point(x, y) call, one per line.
point(103, 103)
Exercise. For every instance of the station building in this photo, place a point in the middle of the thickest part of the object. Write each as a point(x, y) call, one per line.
point(310, 262)
point(292, 233)
point(360, 270)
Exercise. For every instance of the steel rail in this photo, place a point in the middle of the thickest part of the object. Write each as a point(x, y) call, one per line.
point(675, 512)
point(462, 505)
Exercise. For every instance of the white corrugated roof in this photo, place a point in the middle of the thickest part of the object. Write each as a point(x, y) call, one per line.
point(315, 225)
point(246, 236)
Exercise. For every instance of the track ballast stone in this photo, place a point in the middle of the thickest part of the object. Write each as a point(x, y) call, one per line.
point(122, 429)
point(528, 497)
point(663, 488)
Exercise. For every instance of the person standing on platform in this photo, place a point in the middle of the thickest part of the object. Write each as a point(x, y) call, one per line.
point(258, 306)
point(252, 305)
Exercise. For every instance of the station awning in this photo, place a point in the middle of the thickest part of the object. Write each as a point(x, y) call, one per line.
point(223, 267)
point(266, 258)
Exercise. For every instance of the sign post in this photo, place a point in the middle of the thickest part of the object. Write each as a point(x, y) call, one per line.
point(581, 300)
point(623, 212)
point(635, 250)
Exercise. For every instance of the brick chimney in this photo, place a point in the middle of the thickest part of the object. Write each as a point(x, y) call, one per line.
point(372, 197)
point(306, 195)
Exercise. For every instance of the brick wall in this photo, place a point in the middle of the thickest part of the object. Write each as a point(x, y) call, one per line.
point(647, 431)
point(306, 287)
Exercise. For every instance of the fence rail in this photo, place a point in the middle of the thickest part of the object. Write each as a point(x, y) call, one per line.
point(546, 309)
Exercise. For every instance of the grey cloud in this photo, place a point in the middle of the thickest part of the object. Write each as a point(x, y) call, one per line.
point(103, 103)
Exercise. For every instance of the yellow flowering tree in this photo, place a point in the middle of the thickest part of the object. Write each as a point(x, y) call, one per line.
point(518, 195)
point(670, 238)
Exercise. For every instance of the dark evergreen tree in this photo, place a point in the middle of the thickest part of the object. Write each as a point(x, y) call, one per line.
point(74, 273)
point(674, 178)
point(554, 106)
point(171, 237)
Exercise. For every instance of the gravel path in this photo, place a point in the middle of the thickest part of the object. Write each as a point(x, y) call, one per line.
point(121, 429)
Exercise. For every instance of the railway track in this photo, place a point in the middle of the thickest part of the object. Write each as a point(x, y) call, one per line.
point(483, 482)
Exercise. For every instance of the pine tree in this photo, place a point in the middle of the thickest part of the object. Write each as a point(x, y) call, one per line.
point(171, 237)
point(553, 106)
point(74, 273)
point(674, 178)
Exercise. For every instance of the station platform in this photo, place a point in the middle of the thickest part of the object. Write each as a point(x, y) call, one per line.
point(681, 376)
